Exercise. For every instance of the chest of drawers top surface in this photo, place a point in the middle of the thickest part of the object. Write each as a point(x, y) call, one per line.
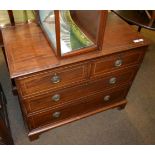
point(28, 51)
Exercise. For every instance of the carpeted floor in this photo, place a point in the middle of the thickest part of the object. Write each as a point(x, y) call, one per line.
point(133, 125)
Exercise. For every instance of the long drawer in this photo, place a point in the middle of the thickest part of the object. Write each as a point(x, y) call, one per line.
point(91, 103)
point(51, 80)
point(102, 65)
point(63, 96)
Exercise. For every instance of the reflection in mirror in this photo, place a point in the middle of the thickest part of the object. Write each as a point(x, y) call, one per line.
point(47, 18)
point(72, 36)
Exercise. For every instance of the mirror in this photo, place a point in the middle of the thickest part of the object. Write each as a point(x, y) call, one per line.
point(74, 31)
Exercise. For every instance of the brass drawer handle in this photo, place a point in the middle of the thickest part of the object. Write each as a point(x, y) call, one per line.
point(118, 63)
point(112, 80)
point(56, 97)
point(55, 79)
point(107, 98)
point(56, 114)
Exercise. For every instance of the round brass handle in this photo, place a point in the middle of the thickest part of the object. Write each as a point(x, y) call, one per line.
point(56, 97)
point(112, 80)
point(118, 63)
point(56, 114)
point(55, 79)
point(107, 98)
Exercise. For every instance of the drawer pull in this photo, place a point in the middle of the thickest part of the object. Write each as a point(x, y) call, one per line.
point(56, 114)
point(107, 98)
point(118, 63)
point(56, 97)
point(112, 80)
point(56, 79)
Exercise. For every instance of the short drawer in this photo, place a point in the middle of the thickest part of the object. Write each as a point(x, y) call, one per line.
point(77, 108)
point(117, 61)
point(53, 99)
point(53, 79)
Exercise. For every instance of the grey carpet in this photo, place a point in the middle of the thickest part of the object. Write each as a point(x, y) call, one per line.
point(133, 125)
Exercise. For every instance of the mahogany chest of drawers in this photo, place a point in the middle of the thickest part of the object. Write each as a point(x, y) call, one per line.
point(54, 92)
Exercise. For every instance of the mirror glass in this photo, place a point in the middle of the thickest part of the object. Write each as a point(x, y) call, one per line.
point(47, 18)
point(72, 36)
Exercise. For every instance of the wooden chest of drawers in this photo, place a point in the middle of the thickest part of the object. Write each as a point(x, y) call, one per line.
point(54, 92)
point(56, 96)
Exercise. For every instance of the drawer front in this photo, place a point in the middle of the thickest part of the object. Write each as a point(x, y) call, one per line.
point(118, 61)
point(53, 79)
point(76, 109)
point(56, 98)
